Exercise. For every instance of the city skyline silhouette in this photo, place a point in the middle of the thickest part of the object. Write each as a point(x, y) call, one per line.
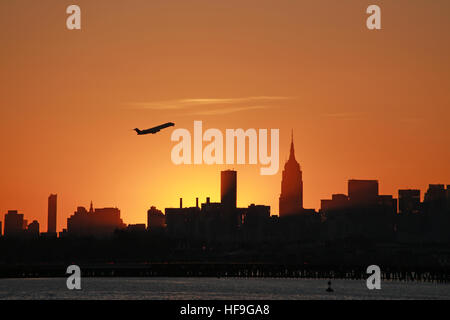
point(363, 196)
point(214, 238)
point(364, 104)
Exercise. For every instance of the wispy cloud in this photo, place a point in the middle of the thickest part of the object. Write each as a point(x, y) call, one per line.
point(344, 115)
point(210, 112)
point(181, 104)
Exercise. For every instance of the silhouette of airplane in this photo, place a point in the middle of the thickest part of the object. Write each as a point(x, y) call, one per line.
point(154, 129)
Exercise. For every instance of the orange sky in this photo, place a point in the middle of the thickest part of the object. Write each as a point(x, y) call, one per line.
point(363, 104)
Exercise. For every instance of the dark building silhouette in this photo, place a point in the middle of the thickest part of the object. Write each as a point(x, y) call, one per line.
point(218, 221)
point(255, 213)
point(13, 224)
point(52, 209)
point(155, 219)
point(228, 188)
point(256, 220)
point(435, 192)
point(1, 229)
point(435, 199)
point(228, 221)
point(388, 204)
point(62, 234)
point(447, 195)
point(337, 202)
point(215, 220)
point(432, 222)
point(136, 228)
point(33, 229)
point(183, 222)
point(408, 201)
point(362, 192)
point(101, 222)
point(363, 213)
point(291, 197)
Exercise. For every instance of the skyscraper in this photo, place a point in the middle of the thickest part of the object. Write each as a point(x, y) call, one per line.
point(435, 193)
point(155, 219)
point(51, 226)
point(363, 192)
point(291, 197)
point(408, 201)
point(99, 222)
point(228, 188)
point(435, 198)
point(13, 223)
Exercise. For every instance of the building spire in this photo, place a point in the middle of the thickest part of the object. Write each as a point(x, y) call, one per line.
point(91, 209)
point(292, 152)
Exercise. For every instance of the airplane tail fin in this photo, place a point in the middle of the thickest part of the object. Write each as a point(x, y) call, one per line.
point(137, 130)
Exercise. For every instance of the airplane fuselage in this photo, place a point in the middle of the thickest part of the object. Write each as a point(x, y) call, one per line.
point(154, 129)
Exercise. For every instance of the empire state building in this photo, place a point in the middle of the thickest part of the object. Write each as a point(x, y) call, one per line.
point(291, 197)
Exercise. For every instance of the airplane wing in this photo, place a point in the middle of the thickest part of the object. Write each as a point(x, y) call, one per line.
point(165, 125)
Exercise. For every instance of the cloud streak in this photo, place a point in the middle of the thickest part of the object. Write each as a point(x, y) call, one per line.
point(182, 104)
point(221, 111)
point(344, 115)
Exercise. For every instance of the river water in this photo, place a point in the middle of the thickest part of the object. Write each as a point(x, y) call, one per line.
point(215, 288)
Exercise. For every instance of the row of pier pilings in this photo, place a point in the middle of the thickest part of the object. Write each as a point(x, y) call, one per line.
point(239, 270)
